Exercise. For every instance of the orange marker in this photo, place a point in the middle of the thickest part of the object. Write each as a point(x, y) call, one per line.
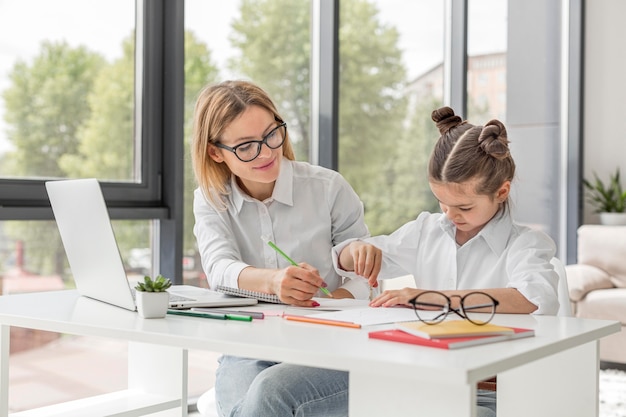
point(315, 320)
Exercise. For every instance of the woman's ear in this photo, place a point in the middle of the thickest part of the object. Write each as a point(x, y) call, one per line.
point(215, 154)
point(503, 192)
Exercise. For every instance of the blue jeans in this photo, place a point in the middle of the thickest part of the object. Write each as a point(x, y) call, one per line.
point(251, 387)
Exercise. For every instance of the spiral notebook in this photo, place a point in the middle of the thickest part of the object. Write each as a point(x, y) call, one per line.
point(240, 292)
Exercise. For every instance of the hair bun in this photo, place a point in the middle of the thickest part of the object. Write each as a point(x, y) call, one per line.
point(493, 140)
point(445, 119)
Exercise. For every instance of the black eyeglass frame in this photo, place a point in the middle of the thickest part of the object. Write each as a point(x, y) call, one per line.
point(259, 142)
point(461, 311)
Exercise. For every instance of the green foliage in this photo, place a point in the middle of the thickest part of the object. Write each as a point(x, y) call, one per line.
point(606, 198)
point(45, 106)
point(407, 171)
point(274, 38)
point(106, 138)
point(159, 284)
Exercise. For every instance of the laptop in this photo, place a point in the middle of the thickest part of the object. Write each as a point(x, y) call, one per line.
point(94, 257)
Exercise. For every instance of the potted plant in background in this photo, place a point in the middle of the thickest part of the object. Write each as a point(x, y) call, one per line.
point(152, 298)
point(609, 200)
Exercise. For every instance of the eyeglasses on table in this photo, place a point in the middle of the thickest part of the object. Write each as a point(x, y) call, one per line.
point(476, 307)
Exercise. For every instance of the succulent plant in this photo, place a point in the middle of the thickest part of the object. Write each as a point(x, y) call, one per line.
point(159, 284)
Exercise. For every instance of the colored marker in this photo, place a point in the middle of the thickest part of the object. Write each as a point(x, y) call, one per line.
point(309, 319)
point(218, 316)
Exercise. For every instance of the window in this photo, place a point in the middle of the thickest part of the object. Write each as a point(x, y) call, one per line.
point(391, 79)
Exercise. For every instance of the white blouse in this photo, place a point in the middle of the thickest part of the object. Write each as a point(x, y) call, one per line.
point(311, 209)
point(502, 255)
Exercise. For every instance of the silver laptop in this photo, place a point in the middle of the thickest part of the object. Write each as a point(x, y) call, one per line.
point(93, 255)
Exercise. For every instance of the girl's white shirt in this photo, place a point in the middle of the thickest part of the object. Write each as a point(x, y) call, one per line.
point(502, 255)
point(311, 209)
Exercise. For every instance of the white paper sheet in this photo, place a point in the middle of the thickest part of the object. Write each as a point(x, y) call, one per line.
point(369, 316)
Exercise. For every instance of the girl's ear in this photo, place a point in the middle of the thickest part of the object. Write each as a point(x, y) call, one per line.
point(503, 192)
point(215, 154)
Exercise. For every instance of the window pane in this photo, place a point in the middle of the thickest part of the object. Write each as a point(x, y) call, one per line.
point(266, 41)
point(391, 55)
point(486, 62)
point(67, 89)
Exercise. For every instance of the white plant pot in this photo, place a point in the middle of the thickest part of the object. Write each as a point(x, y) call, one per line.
point(152, 305)
point(613, 219)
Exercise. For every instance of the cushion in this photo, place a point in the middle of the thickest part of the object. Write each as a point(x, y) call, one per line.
point(604, 305)
point(604, 247)
point(582, 279)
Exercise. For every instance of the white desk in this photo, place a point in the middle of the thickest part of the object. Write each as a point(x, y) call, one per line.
point(553, 373)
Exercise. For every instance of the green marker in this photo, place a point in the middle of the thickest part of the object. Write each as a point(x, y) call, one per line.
point(218, 316)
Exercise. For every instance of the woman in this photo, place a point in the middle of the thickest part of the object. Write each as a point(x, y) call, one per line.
point(251, 189)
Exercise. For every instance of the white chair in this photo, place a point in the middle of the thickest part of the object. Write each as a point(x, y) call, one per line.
point(207, 407)
point(565, 308)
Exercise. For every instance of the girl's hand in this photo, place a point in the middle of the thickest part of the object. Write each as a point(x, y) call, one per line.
point(296, 285)
point(391, 298)
point(364, 259)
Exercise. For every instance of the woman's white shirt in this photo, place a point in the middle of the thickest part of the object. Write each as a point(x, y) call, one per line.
point(311, 209)
point(502, 255)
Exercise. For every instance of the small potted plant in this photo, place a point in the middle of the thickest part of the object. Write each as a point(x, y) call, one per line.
point(609, 200)
point(152, 297)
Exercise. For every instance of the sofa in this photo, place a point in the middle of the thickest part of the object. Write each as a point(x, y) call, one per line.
point(597, 283)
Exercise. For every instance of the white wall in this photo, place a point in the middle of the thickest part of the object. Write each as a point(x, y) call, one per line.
point(604, 112)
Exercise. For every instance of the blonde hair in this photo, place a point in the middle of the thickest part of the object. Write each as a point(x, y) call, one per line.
point(465, 152)
point(217, 107)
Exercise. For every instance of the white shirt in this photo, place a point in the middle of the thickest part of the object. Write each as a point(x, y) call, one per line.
point(502, 255)
point(311, 209)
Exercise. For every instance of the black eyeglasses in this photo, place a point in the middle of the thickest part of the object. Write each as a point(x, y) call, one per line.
point(476, 307)
point(248, 151)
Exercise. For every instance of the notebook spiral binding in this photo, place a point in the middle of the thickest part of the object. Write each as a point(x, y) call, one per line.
point(240, 292)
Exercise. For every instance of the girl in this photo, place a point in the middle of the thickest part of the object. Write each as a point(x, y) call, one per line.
point(249, 187)
point(474, 244)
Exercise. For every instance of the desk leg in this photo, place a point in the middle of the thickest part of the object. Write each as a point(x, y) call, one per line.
point(563, 384)
point(160, 370)
point(371, 395)
point(4, 370)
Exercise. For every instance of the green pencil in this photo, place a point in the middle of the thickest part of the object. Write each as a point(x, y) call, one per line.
point(292, 262)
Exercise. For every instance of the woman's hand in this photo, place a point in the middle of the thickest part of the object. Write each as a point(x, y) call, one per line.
point(364, 259)
point(296, 285)
point(391, 298)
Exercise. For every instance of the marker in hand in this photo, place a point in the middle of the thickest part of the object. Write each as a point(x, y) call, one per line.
point(291, 261)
